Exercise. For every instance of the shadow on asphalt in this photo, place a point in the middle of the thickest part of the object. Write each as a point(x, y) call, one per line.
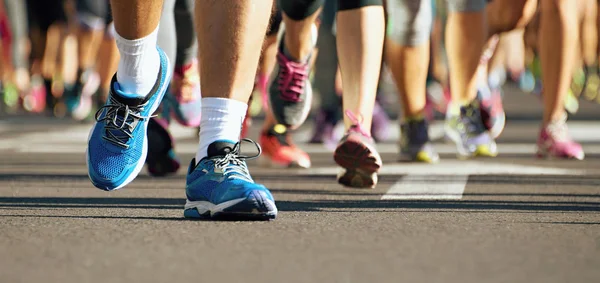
point(567, 223)
point(312, 206)
point(578, 180)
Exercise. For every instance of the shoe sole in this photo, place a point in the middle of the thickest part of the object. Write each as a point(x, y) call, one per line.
point(140, 164)
point(544, 154)
point(361, 163)
point(257, 207)
point(498, 127)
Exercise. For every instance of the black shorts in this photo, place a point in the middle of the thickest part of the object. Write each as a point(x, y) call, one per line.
point(43, 13)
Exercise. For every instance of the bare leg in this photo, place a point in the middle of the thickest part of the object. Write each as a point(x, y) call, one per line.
point(240, 40)
point(298, 36)
point(88, 43)
point(136, 18)
point(589, 32)
point(558, 43)
point(360, 43)
point(266, 66)
point(108, 60)
point(503, 16)
point(409, 66)
point(466, 33)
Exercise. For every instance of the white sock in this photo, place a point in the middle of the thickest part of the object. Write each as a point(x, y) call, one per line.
point(221, 120)
point(139, 63)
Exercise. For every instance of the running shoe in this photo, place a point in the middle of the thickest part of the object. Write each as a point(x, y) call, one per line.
point(578, 82)
point(35, 100)
point(79, 101)
point(592, 85)
point(489, 92)
point(279, 150)
point(118, 145)
point(220, 186)
point(464, 126)
point(185, 98)
point(290, 93)
point(161, 159)
point(325, 122)
point(526, 81)
point(571, 102)
point(555, 142)
point(414, 142)
point(492, 111)
point(357, 155)
point(380, 126)
point(9, 94)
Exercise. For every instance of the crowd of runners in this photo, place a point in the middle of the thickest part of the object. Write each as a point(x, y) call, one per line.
point(135, 66)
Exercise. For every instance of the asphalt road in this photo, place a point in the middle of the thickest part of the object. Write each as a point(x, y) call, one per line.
point(509, 219)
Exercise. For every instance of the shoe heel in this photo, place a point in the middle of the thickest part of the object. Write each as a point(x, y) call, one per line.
point(353, 155)
point(356, 178)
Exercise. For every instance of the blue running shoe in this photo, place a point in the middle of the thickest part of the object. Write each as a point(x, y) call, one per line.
point(118, 144)
point(220, 186)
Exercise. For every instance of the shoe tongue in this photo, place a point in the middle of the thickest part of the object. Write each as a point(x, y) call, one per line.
point(220, 148)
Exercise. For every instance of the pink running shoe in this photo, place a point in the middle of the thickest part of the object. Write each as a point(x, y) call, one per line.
point(290, 93)
point(35, 100)
point(554, 141)
point(356, 153)
point(185, 99)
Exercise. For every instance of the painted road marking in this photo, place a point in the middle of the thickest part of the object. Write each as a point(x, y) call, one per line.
point(447, 180)
point(73, 139)
point(427, 187)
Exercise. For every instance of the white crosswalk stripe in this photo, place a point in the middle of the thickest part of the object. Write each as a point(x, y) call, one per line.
point(73, 139)
point(444, 181)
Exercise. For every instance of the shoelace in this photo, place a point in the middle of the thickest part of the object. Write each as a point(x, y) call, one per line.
point(118, 129)
point(233, 165)
point(356, 124)
point(292, 78)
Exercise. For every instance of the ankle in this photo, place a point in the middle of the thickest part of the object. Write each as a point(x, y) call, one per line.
point(139, 64)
